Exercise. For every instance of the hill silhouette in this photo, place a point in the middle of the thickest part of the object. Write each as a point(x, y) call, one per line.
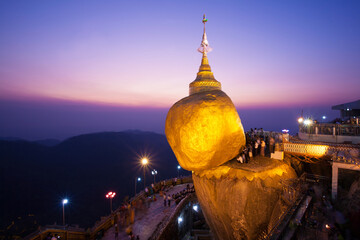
point(34, 178)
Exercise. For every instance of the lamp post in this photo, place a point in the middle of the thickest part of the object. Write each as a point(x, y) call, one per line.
point(178, 168)
point(64, 201)
point(136, 179)
point(154, 173)
point(300, 120)
point(144, 162)
point(110, 196)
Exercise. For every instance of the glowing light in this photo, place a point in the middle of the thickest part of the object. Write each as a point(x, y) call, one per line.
point(316, 150)
point(178, 167)
point(196, 208)
point(308, 121)
point(180, 220)
point(154, 172)
point(110, 195)
point(139, 179)
point(65, 201)
point(323, 117)
point(144, 161)
point(285, 130)
point(327, 226)
point(300, 119)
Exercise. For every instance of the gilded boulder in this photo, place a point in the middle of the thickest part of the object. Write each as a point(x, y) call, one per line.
point(204, 130)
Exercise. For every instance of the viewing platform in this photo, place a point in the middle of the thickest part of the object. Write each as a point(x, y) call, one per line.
point(344, 130)
point(329, 132)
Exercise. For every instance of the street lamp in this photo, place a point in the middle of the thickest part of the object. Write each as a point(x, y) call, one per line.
point(110, 195)
point(64, 201)
point(178, 168)
point(144, 162)
point(139, 180)
point(308, 121)
point(180, 220)
point(154, 173)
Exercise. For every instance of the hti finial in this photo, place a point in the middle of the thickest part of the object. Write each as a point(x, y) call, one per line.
point(204, 47)
point(204, 20)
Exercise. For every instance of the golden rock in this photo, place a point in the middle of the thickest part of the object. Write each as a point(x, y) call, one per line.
point(204, 129)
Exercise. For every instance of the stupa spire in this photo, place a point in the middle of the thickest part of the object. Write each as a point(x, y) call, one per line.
point(205, 80)
point(204, 46)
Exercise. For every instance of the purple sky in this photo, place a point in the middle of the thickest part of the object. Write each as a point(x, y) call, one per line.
point(70, 67)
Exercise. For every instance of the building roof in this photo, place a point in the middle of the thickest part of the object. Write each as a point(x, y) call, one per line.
point(349, 105)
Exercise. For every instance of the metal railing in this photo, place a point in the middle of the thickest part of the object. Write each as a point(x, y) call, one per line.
point(277, 232)
point(331, 129)
point(65, 232)
point(338, 152)
point(161, 228)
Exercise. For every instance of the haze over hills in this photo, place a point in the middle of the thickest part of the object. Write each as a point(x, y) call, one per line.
point(34, 177)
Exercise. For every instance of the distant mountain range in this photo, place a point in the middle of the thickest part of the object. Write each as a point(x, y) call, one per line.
point(35, 176)
point(46, 142)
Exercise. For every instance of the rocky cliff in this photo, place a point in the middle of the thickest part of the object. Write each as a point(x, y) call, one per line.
point(239, 200)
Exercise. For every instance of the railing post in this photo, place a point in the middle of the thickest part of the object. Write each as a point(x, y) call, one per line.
point(334, 182)
point(334, 131)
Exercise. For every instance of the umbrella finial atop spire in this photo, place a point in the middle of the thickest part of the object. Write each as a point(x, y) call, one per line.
point(204, 47)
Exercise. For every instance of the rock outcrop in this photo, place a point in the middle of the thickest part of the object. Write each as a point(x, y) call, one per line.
point(239, 203)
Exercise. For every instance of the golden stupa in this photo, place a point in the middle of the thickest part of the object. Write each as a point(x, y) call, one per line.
point(204, 129)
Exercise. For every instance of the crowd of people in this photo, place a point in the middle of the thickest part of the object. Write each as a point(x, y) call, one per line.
point(258, 143)
point(180, 195)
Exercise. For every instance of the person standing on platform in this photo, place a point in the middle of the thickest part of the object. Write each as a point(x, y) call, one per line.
point(239, 159)
point(247, 153)
point(244, 155)
point(169, 200)
point(256, 148)
point(116, 231)
point(262, 151)
point(271, 145)
point(250, 151)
